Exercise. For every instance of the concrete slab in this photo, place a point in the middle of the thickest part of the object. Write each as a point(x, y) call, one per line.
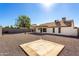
point(42, 48)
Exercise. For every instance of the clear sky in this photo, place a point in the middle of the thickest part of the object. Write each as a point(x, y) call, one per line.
point(38, 13)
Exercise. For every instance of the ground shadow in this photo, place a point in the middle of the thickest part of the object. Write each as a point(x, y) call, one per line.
point(14, 33)
point(77, 37)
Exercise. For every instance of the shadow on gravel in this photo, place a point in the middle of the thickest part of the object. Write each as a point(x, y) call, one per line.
point(77, 37)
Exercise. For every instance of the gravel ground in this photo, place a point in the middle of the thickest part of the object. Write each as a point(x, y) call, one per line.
point(9, 44)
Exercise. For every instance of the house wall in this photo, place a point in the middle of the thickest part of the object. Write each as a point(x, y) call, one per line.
point(38, 31)
point(56, 31)
point(49, 30)
point(70, 31)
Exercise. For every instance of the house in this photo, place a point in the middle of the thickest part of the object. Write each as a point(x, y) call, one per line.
point(33, 27)
point(62, 27)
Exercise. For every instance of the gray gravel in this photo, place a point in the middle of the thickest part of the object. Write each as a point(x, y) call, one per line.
point(9, 44)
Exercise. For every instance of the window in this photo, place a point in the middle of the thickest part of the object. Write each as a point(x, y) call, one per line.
point(53, 30)
point(59, 30)
point(44, 30)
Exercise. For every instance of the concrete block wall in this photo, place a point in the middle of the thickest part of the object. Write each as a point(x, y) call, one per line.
point(0, 31)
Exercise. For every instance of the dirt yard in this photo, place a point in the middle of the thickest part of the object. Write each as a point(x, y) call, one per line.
point(9, 44)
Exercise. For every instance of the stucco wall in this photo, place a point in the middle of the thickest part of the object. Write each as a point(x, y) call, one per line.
point(70, 31)
point(49, 30)
point(38, 31)
point(56, 31)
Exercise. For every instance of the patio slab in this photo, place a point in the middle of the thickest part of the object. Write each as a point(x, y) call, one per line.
point(42, 48)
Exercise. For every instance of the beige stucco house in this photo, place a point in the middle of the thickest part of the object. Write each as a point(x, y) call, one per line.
point(62, 27)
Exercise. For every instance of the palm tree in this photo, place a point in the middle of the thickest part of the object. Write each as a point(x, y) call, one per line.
point(24, 22)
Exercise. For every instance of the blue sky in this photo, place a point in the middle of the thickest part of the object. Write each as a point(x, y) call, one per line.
point(37, 12)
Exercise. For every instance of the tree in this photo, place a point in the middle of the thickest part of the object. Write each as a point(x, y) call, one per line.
point(6, 27)
point(23, 21)
point(11, 27)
